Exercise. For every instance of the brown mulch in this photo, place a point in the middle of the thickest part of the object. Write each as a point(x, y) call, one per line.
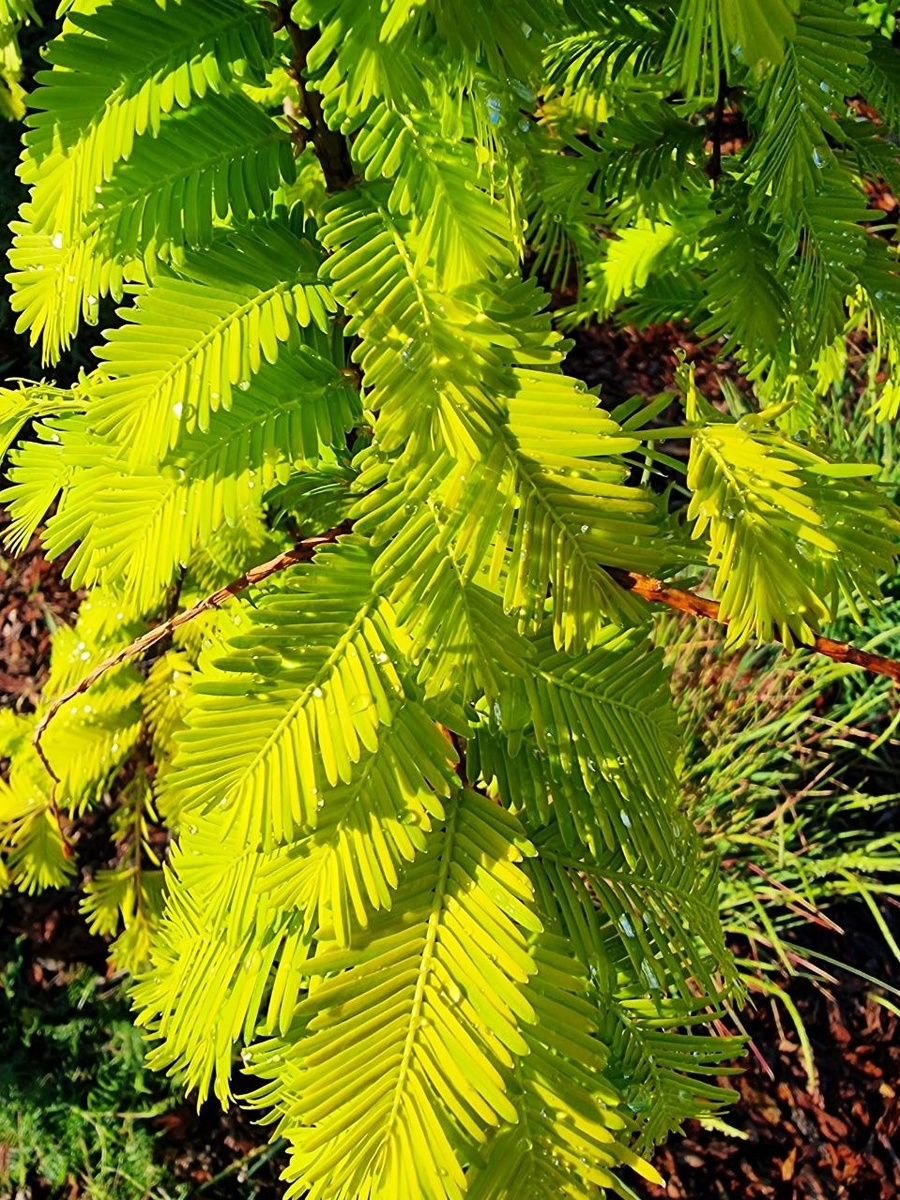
point(34, 598)
point(629, 362)
point(838, 1142)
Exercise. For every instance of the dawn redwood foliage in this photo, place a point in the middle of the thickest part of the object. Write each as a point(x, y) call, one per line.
point(428, 872)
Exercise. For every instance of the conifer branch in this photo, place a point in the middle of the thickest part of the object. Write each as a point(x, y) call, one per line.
point(656, 591)
point(301, 552)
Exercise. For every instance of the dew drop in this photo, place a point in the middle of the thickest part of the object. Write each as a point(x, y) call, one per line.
point(626, 926)
point(177, 408)
point(57, 241)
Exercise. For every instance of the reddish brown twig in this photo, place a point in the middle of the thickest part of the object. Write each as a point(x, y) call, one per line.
point(302, 552)
point(684, 601)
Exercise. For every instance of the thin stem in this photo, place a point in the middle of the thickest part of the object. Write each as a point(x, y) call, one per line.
point(655, 591)
point(302, 552)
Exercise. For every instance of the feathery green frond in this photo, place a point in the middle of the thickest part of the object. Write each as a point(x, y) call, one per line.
point(441, 596)
point(591, 739)
point(216, 949)
point(659, 1059)
point(218, 161)
point(618, 44)
point(36, 474)
point(654, 916)
point(459, 226)
point(393, 1070)
point(798, 105)
point(309, 677)
point(124, 903)
point(197, 335)
point(665, 1064)
point(94, 734)
point(328, 880)
point(569, 1135)
point(35, 856)
point(752, 315)
point(115, 72)
point(790, 533)
point(293, 412)
point(710, 34)
point(367, 831)
point(13, 15)
point(27, 403)
point(163, 698)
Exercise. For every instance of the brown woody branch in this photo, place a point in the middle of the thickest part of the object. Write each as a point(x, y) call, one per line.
point(302, 552)
point(655, 591)
point(330, 145)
